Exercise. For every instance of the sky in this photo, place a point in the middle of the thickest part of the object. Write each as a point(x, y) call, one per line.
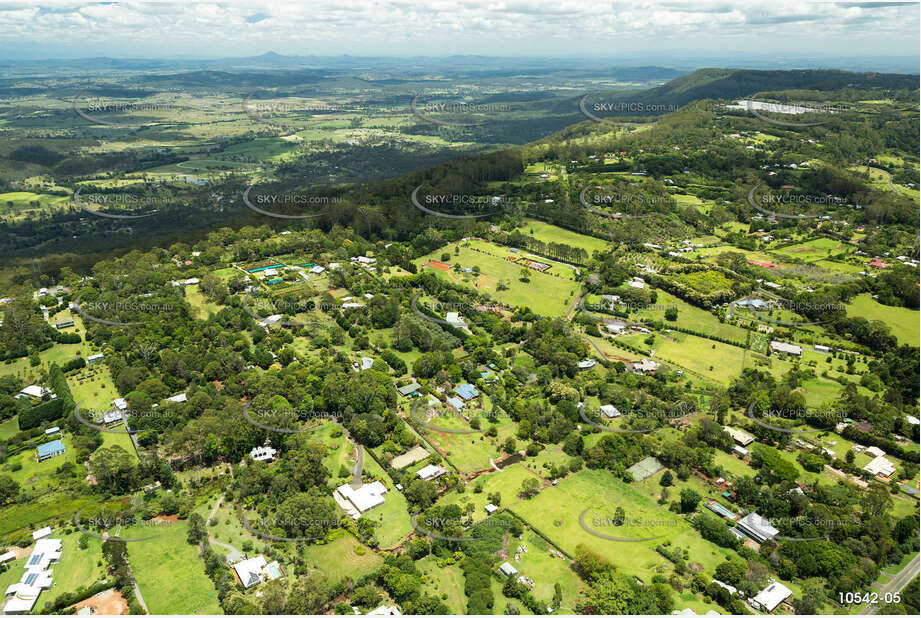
point(554, 28)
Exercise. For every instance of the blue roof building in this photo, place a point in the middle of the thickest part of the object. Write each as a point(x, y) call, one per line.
point(466, 391)
point(456, 403)
point(50, 449)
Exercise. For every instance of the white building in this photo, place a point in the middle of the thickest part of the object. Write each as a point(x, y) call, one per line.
point(454, 319)
point(874, 451)
point(430, 472)
point(781, 347)
point(768, 599)
point(880, 466)
point(263, 453)
point(588, 363)
point(255, 570)
point(357, 501)
point(610, 411)
point(741, 438)
point(37, 577)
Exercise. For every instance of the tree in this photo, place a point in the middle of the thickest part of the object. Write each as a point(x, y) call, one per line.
point(309, 595)
point(667, 480)
point(421, 494)
point(9, 489)
point(197, 530)
point(529, 487)
point(274, 597)
point(689, 500)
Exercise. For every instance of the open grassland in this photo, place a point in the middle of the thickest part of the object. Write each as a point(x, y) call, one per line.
point(903, 322)
point(548, 233)
point(170, 573)
point(340, 558)
point(507, 483)
point(446, 583)
point(543, 293)
point(555, 511)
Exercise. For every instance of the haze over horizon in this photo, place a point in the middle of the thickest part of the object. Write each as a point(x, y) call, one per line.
point(826, 35)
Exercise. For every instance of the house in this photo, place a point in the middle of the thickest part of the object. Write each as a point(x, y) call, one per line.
point(255, 570)
point(732, 589)
point(316, 270)
point(456, 403)
point(361, 500)
point(637, 283)
point(272, 319)
point(588, 363)
point(738, 450)
point(874, 451)
point(741, 438)
point(880, 466)
point(466, 391)
point(645, 366)
point(757, 527)
point(780, 347)
point(615, 328)
point(64, 323)
point(7, 557)
point(92, 359)
point(52, 431)
point(408, 389)
point(454, 319)
point(507, 569)
point(180, 398)
point(35, 392)
point(365, 363)
point(824, 349)
point(430, 472)
point(610, 411)
point(37, 577)
point(490, 508)
point(112, 418)
point(263, 453)
point(50, 449)
point(768, 599)
point(120, 403)
point(41, 533)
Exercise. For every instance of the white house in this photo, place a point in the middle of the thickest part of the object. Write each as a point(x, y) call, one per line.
point(880, 466)
point(255, 570)
point(263, 453)
point(357, 501)
point(768, 599)
point(781, 347)
point(588, 363)
point(430, 472)
point(610, 411)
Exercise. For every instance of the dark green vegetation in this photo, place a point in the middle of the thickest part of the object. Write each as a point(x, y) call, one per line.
point(268, 351)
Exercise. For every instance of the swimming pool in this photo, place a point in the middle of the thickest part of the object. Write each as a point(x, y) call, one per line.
point(719, 509)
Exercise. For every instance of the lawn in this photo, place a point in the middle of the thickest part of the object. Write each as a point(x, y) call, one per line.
point(38, 475)
point(548, 233)
point(543, 293)
point(816, 248)
point(342, 557)
point(546, 569)
point(717, 361)
point(507, 483)
point(170, 573)
point(445, 583)
point(468, 452)
point(903, 322)
point(78, 568)
point(555, 511)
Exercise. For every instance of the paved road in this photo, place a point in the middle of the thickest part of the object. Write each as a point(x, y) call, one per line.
point(899, 581)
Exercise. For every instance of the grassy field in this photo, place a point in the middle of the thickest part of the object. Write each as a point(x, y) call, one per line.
point(468, 452)
point(170, 574)
point(38, 475)
point(546, 569)
point(903, 322)
point(816, 248)
point(543, 293)
point(724, 364)
point(555, 511)
point(79, 568)
point(340, 558)
point(507, 483)
point(445, 583)
point(546, 232)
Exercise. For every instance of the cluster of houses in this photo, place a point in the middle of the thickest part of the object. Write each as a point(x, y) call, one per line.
point(22, 596)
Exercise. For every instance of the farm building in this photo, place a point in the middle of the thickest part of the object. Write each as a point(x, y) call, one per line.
point(92, 359)
point(741, 438)
point(64, 323)
point(50, 449)
point(456, 403)
point(408, 389)
point(780, 347)
point(507, 569)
